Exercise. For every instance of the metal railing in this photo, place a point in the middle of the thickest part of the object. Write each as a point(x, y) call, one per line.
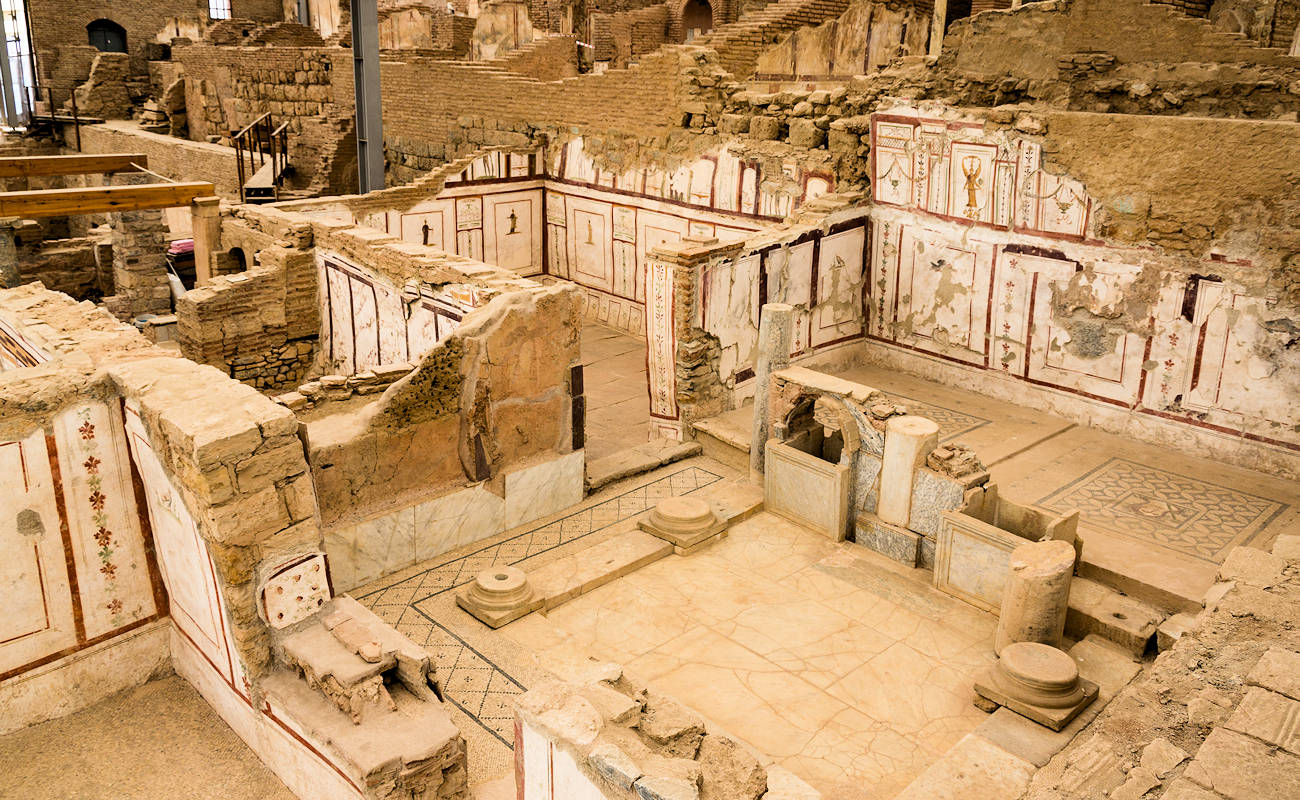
point(35, 93)
point(257, 144)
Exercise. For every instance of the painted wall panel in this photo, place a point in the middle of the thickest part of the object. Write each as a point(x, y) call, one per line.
point(37, 618)
point(109, 549)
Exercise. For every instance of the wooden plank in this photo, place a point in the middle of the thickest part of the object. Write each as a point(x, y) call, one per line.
point(77, 164)
point(99, 199)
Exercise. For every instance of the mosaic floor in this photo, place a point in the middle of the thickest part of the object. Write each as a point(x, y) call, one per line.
point(1191, 516)
point(953, 424)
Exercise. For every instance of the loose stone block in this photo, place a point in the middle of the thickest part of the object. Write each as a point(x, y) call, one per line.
point(1241, 768)
point(1162, 756)
point(1279, 671)
point(1269, 717)
point(1036, 595)
point(614, 765)
point(1252, 567)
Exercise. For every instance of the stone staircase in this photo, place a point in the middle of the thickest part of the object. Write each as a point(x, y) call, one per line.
point(1184, 25)
point(739, 43)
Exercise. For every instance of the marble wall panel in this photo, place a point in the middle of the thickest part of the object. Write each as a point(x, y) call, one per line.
point(457, 519)
point(536, 491)
point(807, 490)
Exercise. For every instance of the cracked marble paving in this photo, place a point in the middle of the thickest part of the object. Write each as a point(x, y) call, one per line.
point(849, 671)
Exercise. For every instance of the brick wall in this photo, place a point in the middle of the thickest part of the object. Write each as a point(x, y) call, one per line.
point(634, 33)
point(1286, 20)
point(502, 107)
point(228, 87)
point(550, 58)
point(178, 159)
point(56, 27)
point(259, 326)
point(139, 263)
point(976, 6)
point(1195, 8)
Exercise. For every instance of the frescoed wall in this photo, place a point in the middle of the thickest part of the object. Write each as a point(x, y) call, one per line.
point(16, 351)
point(557, 213)
point(368, 322)
point(980, 257)
point(78, 568)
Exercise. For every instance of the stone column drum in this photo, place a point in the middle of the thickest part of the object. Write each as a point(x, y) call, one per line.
point(775, 326)
point(908, 440)
point(1037, 594)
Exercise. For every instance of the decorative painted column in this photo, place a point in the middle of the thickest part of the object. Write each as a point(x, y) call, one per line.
point(774, 330)
point(1037, 594)
point(682, 374)
point(908, 440)
point(205, 218)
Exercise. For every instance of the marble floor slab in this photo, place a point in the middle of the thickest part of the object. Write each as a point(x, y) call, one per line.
point(482, 672)
point(852, 672)
point(615, 384)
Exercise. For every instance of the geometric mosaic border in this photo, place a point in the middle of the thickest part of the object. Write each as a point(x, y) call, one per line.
point(472, 681)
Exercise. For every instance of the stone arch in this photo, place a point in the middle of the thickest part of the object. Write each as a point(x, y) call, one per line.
point(106, 36)
point(812, 414)
point(690, 18)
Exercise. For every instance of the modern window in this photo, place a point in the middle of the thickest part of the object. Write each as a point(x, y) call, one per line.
point(218, 9)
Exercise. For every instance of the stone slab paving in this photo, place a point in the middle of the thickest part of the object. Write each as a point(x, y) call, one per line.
point(848, 670)
point(481, 674)
point(615, 385)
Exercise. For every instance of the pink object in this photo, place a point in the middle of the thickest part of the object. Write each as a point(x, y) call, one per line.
point(181, 246)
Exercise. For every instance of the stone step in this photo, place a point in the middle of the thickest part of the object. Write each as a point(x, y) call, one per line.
point(1169, 581)
point(732, 501)
point(636, 460)
point(1124, 620)
point(564, 579)
point(725, 438)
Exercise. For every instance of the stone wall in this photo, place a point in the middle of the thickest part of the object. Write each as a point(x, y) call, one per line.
point(259, 326)
point(55, 28)
point(139, 264)
point(614, 738)
point(80, 267)
point(178, 159)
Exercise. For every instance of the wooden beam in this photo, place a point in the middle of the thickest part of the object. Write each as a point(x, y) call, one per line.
point(100, 199)
point(78, 164)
